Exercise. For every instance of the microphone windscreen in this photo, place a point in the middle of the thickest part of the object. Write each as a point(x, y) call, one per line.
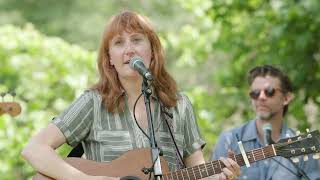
point(135, 60)
point(267, 126)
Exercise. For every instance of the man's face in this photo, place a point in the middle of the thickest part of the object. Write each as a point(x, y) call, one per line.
point(267, 97)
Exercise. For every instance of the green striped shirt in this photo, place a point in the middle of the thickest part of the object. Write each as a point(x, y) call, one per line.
point(105, 136)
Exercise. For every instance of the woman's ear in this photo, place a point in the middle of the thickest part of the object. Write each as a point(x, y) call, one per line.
point(109, 59)
point(111, 62)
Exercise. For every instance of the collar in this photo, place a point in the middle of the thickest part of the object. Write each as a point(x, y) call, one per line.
point(250, 131)
point(153, 96)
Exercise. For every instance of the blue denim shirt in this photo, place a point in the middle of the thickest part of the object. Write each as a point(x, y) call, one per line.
point(266, 169)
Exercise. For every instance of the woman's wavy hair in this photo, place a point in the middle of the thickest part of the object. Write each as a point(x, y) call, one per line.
point(109, 86)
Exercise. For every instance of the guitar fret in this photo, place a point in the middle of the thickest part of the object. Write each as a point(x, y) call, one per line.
point(256, 155)
point(177, 175)
point(254, 158)
point(194, 174)
point(214, 172)
point(263, 153)
point(202, 170)
point(182, 174)
point(199, 171)
point(188, 173)
point(206, 169)
point(214, 169)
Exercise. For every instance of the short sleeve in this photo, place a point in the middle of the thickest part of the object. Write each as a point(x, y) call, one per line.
point(192, 136)
point(75, 121)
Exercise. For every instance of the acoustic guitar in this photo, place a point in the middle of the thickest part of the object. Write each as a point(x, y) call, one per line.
point(132, 163)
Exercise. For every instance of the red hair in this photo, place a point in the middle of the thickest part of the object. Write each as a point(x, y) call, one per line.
point(109, 86)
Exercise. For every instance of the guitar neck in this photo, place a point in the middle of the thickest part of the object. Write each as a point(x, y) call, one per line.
point(215, 167)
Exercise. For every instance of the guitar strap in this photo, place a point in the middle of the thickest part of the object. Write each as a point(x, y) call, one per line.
point(167, 116)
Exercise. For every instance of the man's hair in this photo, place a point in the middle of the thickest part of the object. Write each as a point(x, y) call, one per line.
point(269, 70)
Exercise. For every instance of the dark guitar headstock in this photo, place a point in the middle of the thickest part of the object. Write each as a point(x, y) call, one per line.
point(308, 143)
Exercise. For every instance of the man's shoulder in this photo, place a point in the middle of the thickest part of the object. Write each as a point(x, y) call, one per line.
point(242, 127)
point(243, 130)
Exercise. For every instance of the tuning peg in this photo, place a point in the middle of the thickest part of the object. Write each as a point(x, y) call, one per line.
point(13, 94)
point(316, 156)
point(3, 94)
point(305, 157)
point(295, 159)
point(298, 133)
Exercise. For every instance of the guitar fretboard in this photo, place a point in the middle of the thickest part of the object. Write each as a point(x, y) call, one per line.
point(215, 167)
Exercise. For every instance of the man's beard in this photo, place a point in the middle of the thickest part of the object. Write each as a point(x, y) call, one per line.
point(266, 116)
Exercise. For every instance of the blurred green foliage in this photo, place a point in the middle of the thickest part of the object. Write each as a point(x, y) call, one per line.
point(48, 54)
point(46, 74)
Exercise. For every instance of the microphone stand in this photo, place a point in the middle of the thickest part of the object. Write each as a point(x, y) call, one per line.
point(146, 91)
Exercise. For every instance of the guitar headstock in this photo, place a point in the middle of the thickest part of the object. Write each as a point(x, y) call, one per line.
point(12, 108)
point(303, 144)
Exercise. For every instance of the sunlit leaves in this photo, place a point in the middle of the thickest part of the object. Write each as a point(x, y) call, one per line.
point(46, 73)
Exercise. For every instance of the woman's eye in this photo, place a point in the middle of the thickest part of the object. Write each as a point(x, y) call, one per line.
point(137, 39)
point(117, 42)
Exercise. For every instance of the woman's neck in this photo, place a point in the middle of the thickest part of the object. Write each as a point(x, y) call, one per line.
point(132, 88)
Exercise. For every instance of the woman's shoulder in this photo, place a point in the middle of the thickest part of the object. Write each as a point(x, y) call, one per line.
point(183, 102)
point(91, 94)
point(182, 97)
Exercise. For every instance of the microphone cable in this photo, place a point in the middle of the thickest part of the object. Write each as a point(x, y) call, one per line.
point(300, 171)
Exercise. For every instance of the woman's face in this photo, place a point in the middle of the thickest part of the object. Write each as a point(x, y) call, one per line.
point(123, 47)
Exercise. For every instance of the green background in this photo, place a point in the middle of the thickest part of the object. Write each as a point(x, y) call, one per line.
point(48, 57)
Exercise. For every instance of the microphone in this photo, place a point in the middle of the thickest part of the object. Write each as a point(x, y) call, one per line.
point(137, 64)
point(267, 128)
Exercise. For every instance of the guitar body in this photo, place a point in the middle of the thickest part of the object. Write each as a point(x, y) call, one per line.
point(129, 164)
